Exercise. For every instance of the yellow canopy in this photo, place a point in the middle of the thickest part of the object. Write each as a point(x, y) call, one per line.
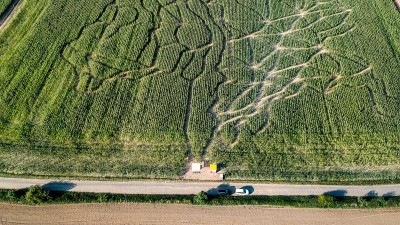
point(213, 167)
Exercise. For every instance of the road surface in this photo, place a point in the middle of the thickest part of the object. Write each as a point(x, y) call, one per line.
point(178, 187)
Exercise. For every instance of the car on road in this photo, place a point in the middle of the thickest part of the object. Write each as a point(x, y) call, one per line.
point(242, 191)
point(223, 192)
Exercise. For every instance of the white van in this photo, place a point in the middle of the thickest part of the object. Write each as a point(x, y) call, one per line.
point(242, 192)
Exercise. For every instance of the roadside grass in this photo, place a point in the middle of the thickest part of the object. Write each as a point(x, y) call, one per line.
point(180, 179)
point(61, 197)
point(101, 161)
point(94, 161)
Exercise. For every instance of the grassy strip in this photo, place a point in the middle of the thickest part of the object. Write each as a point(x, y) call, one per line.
point(115, 162)
point(61, 197)
point(162, 161)
point(230, 180)
point(58, 197)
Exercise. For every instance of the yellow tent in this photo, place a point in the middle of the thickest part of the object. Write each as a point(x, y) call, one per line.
point(213, 167)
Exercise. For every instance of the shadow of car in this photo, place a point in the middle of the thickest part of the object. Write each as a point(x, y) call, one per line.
point(249, 188)
point(59, 186)
point(222, 190)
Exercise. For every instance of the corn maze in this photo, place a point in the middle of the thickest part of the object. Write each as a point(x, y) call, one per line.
point(280, 90)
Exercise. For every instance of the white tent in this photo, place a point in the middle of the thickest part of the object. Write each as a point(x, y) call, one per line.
point(196, 167)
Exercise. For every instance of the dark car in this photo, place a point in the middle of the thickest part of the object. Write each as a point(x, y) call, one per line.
point(223, 192)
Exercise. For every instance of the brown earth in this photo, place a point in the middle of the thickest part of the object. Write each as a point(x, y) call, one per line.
point(187, 214)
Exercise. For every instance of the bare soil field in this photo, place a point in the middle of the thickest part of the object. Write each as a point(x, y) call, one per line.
point(185, 214)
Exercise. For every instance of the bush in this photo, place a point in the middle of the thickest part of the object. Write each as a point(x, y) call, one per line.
point(200, 199)
point(326, 201)
point(361, 202)
point(36, 195)
point(378, 202)
point(11, 196)
point(102, 198)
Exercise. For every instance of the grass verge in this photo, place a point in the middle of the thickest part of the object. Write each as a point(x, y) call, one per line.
point(24, 196)
point(176, 179)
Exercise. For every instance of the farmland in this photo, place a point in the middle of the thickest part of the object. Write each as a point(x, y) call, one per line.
point(292, 90)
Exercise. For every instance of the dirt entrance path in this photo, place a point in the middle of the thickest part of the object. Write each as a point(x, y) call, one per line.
point(7, 15)
point(185, 214)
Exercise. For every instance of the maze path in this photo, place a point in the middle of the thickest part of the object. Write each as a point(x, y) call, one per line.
point(280, 80)
point(237, 58)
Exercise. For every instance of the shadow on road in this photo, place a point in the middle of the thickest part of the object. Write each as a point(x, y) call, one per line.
point(59, 186)
point(336, 193)
point(372, 194)
point(390, 194)
point(249, 188)
point(222, 189)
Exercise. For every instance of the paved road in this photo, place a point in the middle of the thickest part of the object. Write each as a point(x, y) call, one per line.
point(160, 187)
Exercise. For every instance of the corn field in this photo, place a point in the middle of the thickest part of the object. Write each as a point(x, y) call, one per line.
point(292, 90)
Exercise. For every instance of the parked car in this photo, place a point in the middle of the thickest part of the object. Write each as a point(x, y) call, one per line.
point(223, 192)
point(242, 191)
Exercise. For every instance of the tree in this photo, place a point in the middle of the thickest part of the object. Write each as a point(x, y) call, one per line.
point(36, 195)
point(200, 198)
point(11, 196)
point(325, 200)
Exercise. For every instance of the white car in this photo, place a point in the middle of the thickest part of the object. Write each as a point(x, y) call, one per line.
point(242, 192)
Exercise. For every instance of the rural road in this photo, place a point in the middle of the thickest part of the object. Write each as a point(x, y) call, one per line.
point(170, 187)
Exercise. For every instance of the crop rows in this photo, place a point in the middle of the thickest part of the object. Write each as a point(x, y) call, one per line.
point(260, 85)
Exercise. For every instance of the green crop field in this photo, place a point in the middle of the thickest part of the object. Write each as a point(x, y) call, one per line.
point(292, 90)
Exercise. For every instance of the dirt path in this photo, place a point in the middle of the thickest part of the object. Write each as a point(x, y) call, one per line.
point(8, 14)
point(186, 214)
